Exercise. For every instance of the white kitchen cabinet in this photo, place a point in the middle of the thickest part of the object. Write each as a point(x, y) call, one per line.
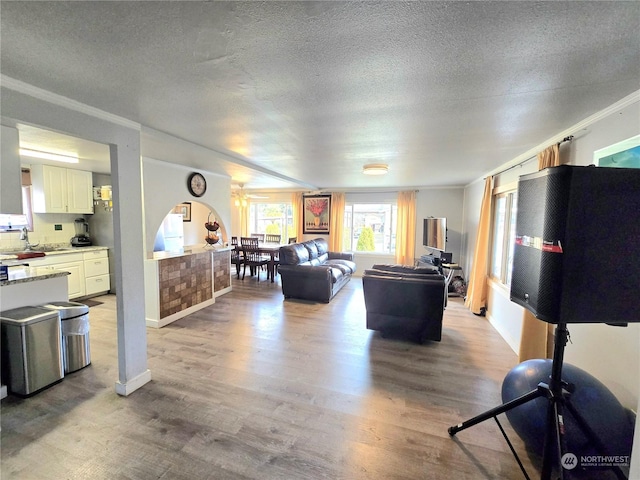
point(80, 191)
point(10, 176)
point(61, 190)
point(76, 278)
point(89, 270)
point(96, 271)
point(72, 263)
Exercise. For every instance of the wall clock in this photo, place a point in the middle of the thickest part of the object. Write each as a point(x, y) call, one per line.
point(196, 184)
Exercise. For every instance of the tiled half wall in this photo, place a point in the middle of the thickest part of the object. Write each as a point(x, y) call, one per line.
point(184, 282)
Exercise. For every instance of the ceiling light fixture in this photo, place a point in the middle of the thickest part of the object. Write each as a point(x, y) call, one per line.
point(241, 198)
point(375, 169)
point(48, 156)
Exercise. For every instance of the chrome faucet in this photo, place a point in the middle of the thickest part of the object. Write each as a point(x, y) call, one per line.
point(25, 236)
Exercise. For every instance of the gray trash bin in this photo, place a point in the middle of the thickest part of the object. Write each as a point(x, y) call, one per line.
point(74, 318)
point(31, 349)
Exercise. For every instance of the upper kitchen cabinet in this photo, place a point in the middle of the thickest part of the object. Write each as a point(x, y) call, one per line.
point(61, 190)
point(10, 179)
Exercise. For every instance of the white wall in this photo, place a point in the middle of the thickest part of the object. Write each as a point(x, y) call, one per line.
point(441, 202)
point(610, 354)
point(165, 186)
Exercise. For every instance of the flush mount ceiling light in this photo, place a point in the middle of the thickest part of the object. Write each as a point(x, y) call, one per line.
point(375, 169)
point(48, 156)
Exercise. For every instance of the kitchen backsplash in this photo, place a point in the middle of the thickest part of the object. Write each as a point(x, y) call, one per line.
point(44, 231)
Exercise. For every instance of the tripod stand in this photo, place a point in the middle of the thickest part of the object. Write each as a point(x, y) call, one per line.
point(557, 393)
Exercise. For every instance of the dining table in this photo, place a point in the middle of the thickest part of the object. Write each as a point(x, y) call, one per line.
point(268, 248)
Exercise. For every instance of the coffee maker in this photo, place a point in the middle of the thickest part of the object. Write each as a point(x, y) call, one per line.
point(81, 238)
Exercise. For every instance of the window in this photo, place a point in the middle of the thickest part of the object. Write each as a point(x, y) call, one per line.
point(504, 234)
point(27, 208)
point(272, 218)
point(370, 227)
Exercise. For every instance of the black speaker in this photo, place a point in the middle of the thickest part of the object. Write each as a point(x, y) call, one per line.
point(577, 252)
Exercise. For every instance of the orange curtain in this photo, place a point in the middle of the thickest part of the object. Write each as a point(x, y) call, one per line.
point(406, 228)
point(477, 291)
point(536, 339)
point(296, 212)
point(244, 220)
point(336, 224)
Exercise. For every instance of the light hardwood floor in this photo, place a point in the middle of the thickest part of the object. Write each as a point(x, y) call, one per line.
point(255, 387)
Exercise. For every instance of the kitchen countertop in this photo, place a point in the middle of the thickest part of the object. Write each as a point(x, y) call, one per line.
point(192, 250)
point(22, 274)
point(11, 255)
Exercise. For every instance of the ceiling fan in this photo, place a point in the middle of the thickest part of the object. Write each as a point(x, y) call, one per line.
point(241, 197)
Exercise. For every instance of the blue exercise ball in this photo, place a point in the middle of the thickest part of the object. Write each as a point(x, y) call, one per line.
point(612, 423)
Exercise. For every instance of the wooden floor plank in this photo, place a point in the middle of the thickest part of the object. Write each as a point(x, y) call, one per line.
point(256, 387)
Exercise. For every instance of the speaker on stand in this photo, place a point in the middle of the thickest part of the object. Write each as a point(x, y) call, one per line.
point(576, 229)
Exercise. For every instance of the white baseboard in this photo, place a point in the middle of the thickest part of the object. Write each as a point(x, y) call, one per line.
point(134, 384)
point(223, 291)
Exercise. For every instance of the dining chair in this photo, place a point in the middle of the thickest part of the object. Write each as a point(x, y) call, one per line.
point(273, 238)
point(237, 256)
point(259, 236)
point(293, 240)
point(252, 256)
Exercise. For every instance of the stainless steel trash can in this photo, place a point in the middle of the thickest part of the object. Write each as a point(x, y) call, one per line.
point(31, 349)
point(74, 319)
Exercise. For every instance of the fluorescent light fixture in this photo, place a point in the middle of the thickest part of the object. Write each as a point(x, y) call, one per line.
point(375, 169)
point(48, 156)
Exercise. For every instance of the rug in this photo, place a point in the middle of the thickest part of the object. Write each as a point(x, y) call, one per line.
point(91, 303)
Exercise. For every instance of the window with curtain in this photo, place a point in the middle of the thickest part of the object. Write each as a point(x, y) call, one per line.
point(272, 218)
point(504, 234)
point(370, 227)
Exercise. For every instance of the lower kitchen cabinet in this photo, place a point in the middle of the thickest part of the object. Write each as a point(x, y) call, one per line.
point(88, 271)
point(96, 272)
point(75, 279)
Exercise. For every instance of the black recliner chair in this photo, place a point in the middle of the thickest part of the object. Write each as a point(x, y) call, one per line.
point(405, 301)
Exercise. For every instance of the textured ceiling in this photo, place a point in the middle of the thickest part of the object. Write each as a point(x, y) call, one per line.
point(309, 92)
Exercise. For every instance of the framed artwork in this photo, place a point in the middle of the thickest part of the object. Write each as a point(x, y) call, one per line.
point(625, 154)
point(316, 213)
point(185, 210)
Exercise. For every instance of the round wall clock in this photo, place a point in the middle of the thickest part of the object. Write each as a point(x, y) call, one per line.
point(196, 184)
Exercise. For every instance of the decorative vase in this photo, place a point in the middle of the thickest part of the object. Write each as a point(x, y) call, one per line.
point(316, 221)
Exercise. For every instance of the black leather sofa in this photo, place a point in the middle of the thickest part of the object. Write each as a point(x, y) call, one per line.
point(405, 301)
point(310, 272)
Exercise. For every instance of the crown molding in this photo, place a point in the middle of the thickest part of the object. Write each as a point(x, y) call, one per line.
point(573, 130)
point(54, 98)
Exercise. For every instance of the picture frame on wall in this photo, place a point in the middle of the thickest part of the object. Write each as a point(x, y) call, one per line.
point(316, 214)
point(185, 210)
point(625, 154)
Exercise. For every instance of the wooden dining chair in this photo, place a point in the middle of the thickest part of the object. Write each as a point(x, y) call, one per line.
point(293, 240)
point(252, 256)
point(272, 238)
point(237, 256)
point(259, 236)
